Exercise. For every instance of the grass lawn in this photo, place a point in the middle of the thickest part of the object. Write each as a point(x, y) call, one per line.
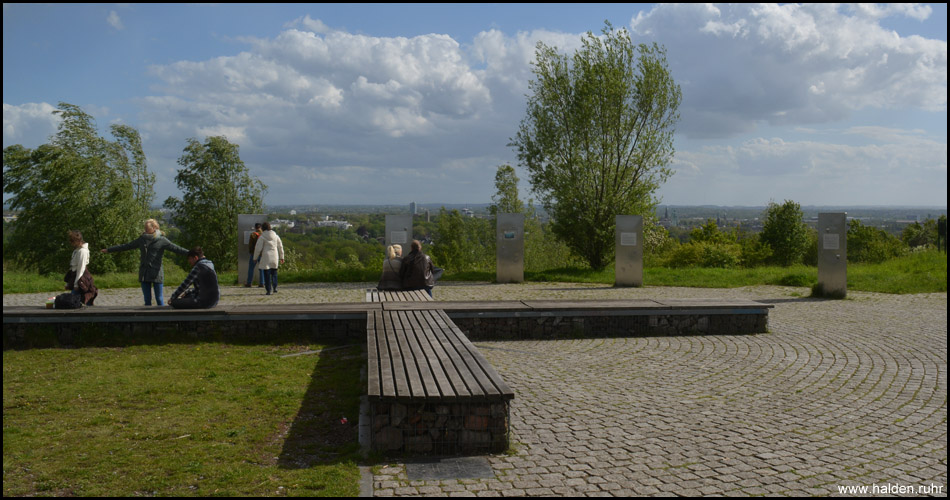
point(181, 420)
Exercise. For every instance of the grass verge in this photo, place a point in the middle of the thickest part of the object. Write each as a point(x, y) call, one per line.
point(181, 420)
point(921, 272)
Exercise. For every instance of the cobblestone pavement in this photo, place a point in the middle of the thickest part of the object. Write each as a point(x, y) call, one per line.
point(837, 394)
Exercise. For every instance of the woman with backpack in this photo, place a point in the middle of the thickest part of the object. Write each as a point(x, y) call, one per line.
point(78, 279)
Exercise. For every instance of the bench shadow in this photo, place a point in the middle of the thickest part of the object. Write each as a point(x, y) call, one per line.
point(318, 435)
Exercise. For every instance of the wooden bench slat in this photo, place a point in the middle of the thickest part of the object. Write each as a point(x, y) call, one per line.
point(469, 386)
point(452, 384)
point(479, 358)
point(456, 369)
point(410, 362)
point(372, 358)
point(387, 377)
point(439, 363)
point(413, 331)
point(492, 381)
point(402, 390)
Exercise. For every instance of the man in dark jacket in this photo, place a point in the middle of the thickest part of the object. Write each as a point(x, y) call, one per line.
point(202, 275)
point(416, 270)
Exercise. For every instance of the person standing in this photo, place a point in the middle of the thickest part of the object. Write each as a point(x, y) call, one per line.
point(205, 280)
point(251, 246)
point(152, 245)
point(416, 271)
point(78, 279)
point(268, 253)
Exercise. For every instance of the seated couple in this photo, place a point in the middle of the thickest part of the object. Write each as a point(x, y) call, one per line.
point(412, 272)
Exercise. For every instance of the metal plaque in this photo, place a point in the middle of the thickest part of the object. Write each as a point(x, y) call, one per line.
point(833, 254)
point(245, 226)
point(628, 268)
point(399, 231)
point(509, 248)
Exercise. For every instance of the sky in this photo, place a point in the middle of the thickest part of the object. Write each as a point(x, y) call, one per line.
point(828, 105)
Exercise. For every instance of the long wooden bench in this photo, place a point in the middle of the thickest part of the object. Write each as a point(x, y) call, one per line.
point(374, 295)
point(430, 390)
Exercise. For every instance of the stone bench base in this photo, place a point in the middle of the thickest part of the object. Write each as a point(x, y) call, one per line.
point(440, 428)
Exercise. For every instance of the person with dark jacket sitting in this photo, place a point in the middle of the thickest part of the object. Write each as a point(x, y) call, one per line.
point(205, 293)
point(416, 270)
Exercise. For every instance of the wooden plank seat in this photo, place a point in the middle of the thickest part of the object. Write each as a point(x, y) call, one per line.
point(374, 295)
point(429, 389)
point(419, 356)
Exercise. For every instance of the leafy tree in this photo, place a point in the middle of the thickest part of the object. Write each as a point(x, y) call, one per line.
point(82, 181)
point(216, 187)
point(785, 232)
point(462, 243)
point(917, 235)
point(871, 244)
point(506, 200)
point(598, 136)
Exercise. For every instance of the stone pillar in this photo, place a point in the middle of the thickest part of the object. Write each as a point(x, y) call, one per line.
point(509, 248)
point(399, 231)
point(628, 266)
point(832, 255)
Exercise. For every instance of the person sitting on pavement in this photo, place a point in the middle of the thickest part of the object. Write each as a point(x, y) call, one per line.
point(205, 293)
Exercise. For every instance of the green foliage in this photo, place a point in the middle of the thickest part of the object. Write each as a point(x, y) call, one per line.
point(77, 181)
point(705, 254)
point(785, 233)
point(597, 136)
point(753, 252)
point(216, 187)
point(462, 243)
point(871, 244)
point(917, 235)
point(506, 200)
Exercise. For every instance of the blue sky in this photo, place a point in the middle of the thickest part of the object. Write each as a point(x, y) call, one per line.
point(367, 104)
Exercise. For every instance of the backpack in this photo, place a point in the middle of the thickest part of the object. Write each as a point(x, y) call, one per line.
point(67, 300)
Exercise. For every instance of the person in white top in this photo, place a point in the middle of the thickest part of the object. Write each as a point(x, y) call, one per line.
point(268, 252)
point(78, 279)
point(80, 258)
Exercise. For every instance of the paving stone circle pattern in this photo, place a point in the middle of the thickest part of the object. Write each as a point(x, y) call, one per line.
point(839, 393)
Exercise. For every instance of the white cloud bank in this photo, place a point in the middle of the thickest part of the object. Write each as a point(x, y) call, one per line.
point(329, 116)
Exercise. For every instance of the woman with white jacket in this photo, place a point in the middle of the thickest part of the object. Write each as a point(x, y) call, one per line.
point(268, 253)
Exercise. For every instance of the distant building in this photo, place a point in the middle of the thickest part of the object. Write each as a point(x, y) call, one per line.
point(339, 224)
point(412, 208)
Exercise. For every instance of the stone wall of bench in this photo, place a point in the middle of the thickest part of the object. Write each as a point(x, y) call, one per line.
point(480, 328)
point(440, 428)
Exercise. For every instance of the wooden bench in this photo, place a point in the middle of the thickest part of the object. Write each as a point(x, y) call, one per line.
point(374, 295)
point(430, 390)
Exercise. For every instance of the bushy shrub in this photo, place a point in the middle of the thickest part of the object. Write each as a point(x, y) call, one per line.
point(753, 252)
point(871, 244)
point(703, 254)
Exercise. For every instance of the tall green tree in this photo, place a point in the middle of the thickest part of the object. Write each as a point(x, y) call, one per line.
point(785, 232)
point(598, 136)
point(82, 181)
point(216, 187)
point(506, 200)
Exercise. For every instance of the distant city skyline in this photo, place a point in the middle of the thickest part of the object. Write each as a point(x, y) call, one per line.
point(823, 104)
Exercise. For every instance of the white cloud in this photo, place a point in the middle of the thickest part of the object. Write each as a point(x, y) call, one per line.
point(741, 65)
point(314, 106)
point(115, 21)
point(29, 124)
